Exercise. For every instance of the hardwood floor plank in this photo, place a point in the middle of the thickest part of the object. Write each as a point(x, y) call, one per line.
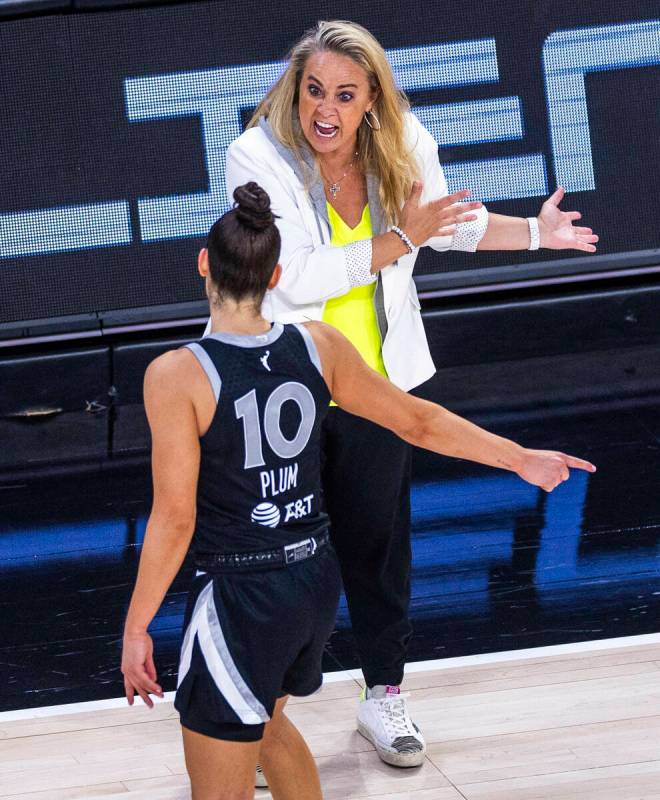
point(39, 726)
point(42, 759)
point(74, 776)
point(520, 676)
point(447, 793)
point(555, 706)
point(330, 691)
point(178, 783)
point(557, 728)
point(444, 793)
point(600, 745)
point(353, 775)
point(99, 792)
point(84, 746)
point(626, 782)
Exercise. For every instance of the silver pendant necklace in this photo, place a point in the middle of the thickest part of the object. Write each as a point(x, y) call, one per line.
point(334, 188)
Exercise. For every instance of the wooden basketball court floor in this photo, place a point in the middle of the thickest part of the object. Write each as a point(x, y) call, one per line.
point(553, 723)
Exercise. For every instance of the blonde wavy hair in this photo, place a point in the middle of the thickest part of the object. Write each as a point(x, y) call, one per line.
point(382, 152)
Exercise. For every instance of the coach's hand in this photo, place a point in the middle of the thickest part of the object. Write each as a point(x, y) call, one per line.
point(437, 218)
point(556, 227)
point(549, 468)
point(138, 668)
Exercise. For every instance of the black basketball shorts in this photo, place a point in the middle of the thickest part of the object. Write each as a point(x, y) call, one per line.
point(251, 637)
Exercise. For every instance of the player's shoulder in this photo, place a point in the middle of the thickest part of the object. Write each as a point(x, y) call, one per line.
point(171, 370)
point(321, 331)
point(331, 343)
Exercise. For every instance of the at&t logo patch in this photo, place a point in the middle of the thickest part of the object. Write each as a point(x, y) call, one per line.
point(266, 514)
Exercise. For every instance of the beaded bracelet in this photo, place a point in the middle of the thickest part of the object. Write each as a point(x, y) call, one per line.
point(404, 238)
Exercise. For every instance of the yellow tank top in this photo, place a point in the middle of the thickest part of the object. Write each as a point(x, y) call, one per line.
point(354, 313)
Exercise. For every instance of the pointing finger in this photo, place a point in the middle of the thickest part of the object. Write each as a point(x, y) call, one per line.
point(579, 463)
point(573, 215)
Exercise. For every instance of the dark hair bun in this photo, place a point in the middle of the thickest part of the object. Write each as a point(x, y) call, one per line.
point(253, 206)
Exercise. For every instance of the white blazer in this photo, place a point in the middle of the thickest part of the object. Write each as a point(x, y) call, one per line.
point(314, 271)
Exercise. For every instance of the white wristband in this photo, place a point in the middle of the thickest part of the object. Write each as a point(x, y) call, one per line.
point(534, 235)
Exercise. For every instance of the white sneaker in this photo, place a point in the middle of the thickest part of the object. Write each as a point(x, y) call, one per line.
point(260, 781)
point(383, 720)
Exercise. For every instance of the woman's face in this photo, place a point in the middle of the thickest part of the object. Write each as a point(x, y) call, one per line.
point(334, 94)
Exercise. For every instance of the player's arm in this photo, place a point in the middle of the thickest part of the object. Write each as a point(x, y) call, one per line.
point(175, 458)
point(357, 388)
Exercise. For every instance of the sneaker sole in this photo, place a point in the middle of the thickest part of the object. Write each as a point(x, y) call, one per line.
point(403, 760)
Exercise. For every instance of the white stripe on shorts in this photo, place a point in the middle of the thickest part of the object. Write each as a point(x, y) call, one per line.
point(205, 624)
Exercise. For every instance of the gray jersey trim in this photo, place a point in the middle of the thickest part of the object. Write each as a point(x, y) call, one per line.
point(208, 366)
point(248, 339)
point(311, 346)
point(205, 625)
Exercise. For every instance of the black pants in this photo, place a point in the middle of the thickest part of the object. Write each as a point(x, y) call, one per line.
point(366, 486)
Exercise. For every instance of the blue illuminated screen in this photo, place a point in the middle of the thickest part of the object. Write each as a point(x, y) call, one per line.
point(113, 142)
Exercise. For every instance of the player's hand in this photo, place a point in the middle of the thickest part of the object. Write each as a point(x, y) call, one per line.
point(138, 668)
point(549, 468)
point(437, 218)
point(556, 227)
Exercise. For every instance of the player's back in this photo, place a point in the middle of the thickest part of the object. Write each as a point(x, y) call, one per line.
point(259, 477)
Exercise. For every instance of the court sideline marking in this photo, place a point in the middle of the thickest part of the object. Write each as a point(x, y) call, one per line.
point(356, 674)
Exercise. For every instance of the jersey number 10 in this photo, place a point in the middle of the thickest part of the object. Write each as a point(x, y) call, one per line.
point(247, 410)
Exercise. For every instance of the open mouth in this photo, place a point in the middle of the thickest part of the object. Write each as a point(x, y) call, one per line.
point(324, 130)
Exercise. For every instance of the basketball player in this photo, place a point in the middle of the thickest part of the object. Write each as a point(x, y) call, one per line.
point(235, 421)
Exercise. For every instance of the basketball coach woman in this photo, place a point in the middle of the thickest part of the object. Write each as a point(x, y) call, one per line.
point(355, 181)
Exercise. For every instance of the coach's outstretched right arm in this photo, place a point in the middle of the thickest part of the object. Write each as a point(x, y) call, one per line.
point(357, 388)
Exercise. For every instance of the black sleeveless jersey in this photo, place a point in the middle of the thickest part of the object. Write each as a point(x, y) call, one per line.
point(260, 471)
